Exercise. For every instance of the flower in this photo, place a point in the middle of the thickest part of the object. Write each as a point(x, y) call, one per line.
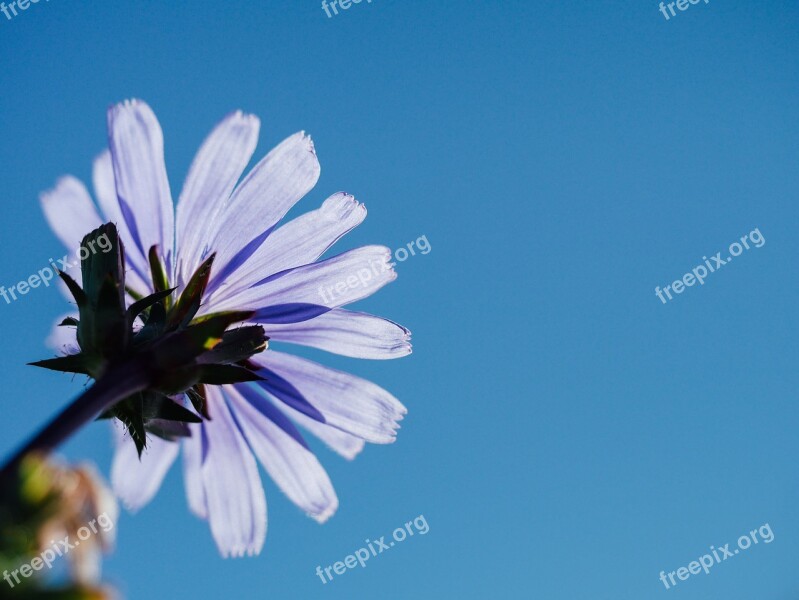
point(272, 272)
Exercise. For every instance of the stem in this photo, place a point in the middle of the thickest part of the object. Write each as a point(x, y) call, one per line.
point(116, 384)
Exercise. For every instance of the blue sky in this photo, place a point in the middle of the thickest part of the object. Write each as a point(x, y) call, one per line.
point(569, 435)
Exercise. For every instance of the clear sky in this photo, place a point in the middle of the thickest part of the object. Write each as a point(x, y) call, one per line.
point(569, 435)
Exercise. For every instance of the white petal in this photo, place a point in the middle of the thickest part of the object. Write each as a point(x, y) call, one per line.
point(265, 195)
point(214, 173)
point(354, 405)
point(346, 445)
point(233, 491)
point(308, 291)
point(293, 468)
point(355, 334)
point(192, 464)
point(136, 481)
point(137, 153)
point(70, 212)
point(299, 242)
point(137, 276)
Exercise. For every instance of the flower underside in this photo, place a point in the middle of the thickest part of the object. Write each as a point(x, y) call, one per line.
point(177, 351)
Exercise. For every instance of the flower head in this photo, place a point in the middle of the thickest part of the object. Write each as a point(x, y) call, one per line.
point(225, 231)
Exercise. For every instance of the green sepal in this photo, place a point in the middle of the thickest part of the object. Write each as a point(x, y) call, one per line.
point(226, 374)
point(237, 345)
point(138, 307)
point(159, 406)
point(171, 431)
point(189, 302)
point(160, 279)
point(73, 363)
point(77, 293)
point(182, 346)
point(198, 399)
point(129, 411)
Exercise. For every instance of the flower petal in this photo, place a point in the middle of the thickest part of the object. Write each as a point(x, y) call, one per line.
point(233, 491)
point(136, 481)
point(192, 464)
point(355, 334)
point(299, 242)
point(137, 153)
point(344, 444)
point(292, 466)
point(308, 291)
point(70, 212)
point(214, 173)
point(265, 195)
point(138, 273)
point(351, 404)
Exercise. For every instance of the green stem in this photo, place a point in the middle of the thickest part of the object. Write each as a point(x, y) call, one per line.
point(116, 384)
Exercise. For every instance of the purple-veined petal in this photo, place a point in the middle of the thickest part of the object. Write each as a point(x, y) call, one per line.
point(192, 477)
point(354, 405)
point(214, 173)
point(292, 466)
point(299, 242)
point(138, 270)
point(265, 195)
point(137, 153)
point(136, 481)
point(233, 491)
point(308, 291)
point(70, 212)
point(354, 334)
point(343, 443)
